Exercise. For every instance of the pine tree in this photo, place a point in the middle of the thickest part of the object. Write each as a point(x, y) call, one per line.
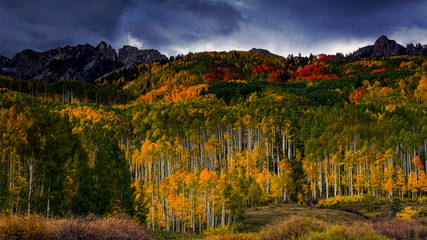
point(112, 178)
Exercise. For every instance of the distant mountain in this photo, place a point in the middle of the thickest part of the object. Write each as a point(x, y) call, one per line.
point(81, 62)
point(88, 63)
point(385, 47)
point(132, 56)
point(263, 52)
point(3, 60)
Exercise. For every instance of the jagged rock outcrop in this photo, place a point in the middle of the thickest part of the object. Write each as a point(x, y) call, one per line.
point(385, 47)
point(416, 50)
point(132, 56)
point(3, 60)
point(263, 52)
point(363, 52)
point(81, 62)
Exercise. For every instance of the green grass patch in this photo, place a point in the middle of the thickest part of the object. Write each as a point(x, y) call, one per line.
point(256, 218)
point(165, 235)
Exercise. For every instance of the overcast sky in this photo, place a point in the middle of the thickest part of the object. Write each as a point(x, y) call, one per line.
point(178, 26)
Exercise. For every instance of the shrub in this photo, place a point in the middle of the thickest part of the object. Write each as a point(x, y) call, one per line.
point(27, 227)
point(407, 213)
point(337, 232)
point(239, 236)
point(118, 227)
point(296, 227)
point(111, 227)
point(340, 201)
point(227, 229)
point(402, 229)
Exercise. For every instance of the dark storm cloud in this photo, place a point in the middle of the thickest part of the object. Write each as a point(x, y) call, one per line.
point(45, 24)
point(196, 25)
point(355, 18)
point(159, 23)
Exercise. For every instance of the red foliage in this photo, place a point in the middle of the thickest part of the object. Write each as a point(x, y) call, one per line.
point(312, 72)
point(357, 94)
point(263, 68)
point(276, 74)
point(379, 70)
point(222, 74)
point(325, 58)
point(317, 70)
point(321, 77)
point(311, 69)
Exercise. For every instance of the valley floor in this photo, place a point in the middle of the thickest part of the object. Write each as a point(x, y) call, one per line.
point(365, 223)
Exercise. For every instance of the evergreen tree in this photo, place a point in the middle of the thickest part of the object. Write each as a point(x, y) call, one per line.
point(112, 178)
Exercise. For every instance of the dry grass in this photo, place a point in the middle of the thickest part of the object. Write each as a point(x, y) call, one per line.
point(298, 227)
point(117, 227)
point(27, 227)
point(303, 222)
point(255, 218)
point(359, 231)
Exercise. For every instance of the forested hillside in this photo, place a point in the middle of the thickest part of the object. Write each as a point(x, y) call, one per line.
point(195, 141)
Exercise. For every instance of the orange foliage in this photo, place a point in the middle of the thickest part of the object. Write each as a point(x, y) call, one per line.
point(357, 94)
point(379, 70)
point(171, 94)
point(276, 74)
point(417, 162)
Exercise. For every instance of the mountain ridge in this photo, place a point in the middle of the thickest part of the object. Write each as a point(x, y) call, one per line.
point(89, 63)
point(385, 47)
point(80, 62)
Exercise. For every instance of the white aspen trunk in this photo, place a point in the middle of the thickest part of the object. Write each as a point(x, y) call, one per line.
point(213, 209)
point(319, 181)
point(152, 209)
point(48, 202)
point(425, 153)
point(339, 181)
point(327, 183)
point(335, 180)
point(30, 184)
point(285, 194)
point(223, 213)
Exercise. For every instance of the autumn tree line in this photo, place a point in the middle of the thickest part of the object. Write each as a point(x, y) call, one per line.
point(192, 143)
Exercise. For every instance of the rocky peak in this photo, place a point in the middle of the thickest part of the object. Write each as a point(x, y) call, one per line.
point(363, 52)
point(385, 47)
point(3, 60)
point(132, 56)
point(263, 52)
point(105, 51)
point(81, 62)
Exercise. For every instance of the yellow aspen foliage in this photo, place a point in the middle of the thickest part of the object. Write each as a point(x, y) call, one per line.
point(412, 182)
point(422, 181)
point(420, 93)
point(407, 213)
point(388, 186)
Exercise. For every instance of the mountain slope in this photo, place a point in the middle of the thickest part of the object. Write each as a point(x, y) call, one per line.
point(385, 47)
point(81, 62)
